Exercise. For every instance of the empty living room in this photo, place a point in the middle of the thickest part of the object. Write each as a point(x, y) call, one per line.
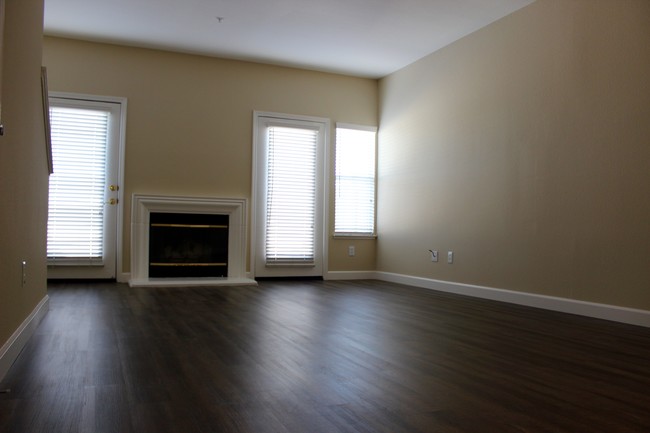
point(323, 216)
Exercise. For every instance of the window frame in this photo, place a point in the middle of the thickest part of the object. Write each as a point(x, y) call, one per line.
point(355, 235)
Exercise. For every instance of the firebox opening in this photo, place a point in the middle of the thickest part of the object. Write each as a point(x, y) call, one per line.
point(183, 245)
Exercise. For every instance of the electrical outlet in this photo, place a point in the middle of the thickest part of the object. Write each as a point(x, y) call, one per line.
point(450, 257)
point(434, 255)
point(24, 279)
point(351, 251)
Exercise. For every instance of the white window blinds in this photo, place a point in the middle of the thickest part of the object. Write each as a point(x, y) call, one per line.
point(291, 195)
point(354, 206)
point(77, 186)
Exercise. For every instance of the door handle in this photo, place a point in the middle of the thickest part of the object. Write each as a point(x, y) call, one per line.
point(114, 188)
point(113, 201)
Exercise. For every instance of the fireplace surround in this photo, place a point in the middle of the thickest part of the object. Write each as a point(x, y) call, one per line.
point(143, 206)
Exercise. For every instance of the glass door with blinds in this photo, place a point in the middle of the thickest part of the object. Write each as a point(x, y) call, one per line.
point(84, 189)
point(289, 160)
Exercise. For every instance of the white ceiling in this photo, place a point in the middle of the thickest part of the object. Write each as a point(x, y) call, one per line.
point(368, 38)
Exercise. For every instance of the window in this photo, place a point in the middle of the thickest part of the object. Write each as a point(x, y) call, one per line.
point(291, 195)
point(354, 205)
point(76, 203)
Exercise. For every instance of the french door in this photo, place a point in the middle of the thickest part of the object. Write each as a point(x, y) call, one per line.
point(288, 195)
point(84, 195)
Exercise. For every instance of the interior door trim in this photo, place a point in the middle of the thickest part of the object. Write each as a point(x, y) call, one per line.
point(119, 230)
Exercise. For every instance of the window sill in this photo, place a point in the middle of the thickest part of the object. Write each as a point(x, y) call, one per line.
point(353, 236)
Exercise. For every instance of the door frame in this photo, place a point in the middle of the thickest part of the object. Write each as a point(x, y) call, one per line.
point(255, 193)
point(121, 145)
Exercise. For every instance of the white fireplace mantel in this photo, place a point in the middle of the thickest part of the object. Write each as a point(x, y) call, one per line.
point(143, 205)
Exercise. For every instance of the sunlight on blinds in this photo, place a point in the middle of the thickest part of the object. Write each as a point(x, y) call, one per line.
point(291, 195)
point(76, 202)
point(354, 206)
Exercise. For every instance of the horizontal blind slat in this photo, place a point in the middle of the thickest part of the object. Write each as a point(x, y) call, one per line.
point(291, 196)
point(77, 186)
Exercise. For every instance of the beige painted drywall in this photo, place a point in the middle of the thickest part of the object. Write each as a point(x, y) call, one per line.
point(23, 167)
point(189, 126)
point(525, 149)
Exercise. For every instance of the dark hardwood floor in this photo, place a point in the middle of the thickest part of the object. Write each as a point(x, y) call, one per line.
point(314, 356)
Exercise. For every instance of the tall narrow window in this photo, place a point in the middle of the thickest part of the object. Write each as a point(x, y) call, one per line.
point(354, 206)
point(77, 187)
point(291, 196)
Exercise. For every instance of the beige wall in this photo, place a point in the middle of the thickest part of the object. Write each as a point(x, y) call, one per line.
point(525, 149)
point(23, 167)
point(189, 126)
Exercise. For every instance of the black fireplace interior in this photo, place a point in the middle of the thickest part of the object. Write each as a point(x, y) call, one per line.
point(185, 245)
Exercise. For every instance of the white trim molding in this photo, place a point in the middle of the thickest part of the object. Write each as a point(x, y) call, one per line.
point(143, 205)
point(613, 313)
point(12, 348)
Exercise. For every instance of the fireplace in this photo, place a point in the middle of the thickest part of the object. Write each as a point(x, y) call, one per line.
point(183, 245)
point(181, 241)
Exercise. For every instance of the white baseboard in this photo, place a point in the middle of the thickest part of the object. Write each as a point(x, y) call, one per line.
point(350, 275)
point(590, 309)
point(12, 348)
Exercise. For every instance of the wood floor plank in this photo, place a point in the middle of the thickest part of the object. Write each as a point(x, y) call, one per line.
point(315, 356)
